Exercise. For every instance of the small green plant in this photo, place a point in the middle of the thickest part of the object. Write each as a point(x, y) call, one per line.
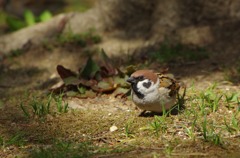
point(210, 135)
point(180, 100)
point(25, 112)
point(127, 130)
point(81, 89)
point(15, 23)
point(210, 99)
point(62, 107)
point(17, 139)
point(232, 100)
point(39, 107)
point(190, 130)
point(158, 124)
point(169, 149)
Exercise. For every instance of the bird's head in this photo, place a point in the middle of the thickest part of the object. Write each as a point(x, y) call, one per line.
point(143, 82)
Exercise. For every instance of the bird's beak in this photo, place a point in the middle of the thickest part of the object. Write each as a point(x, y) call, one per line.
point(131, 80)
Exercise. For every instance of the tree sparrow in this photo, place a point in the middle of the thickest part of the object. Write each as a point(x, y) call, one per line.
point(153, 91)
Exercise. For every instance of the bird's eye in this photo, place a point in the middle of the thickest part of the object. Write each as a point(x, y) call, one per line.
point(140, 78)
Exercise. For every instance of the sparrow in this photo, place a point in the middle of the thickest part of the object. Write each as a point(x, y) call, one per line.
point(153, 91)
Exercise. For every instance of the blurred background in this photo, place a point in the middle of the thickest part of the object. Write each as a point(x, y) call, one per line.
point(199, 33)
point(15, 10)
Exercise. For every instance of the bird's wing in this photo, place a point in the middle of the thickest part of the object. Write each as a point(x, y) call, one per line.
point(170, 83)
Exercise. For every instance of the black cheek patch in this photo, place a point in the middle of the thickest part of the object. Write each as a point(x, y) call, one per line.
point(147, 84)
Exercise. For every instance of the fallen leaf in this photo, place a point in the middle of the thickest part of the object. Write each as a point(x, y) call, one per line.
point(121, 82)
point(90, 94)
point(90, 69)
point(104, 85)
point(71, 80)
point(64, 72)
point(107, 68)
point(71, 93)
point(122, 92)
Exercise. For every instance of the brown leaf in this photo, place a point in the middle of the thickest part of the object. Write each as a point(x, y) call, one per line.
point(64, 72)
point(107, 68)
point(122, 92)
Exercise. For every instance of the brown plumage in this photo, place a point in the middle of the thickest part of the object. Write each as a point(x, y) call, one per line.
point(148, 74)
point(168, 82)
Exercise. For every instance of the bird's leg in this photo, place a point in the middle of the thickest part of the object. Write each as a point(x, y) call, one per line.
point(142, 113)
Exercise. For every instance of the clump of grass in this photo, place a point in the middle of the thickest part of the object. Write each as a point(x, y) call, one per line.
point(169, 149)
point(62, 107)
point(15, 23)
point(158, 125)
point(209, 99)
point(41, 107)
point(209, 133)
point(168, 52)
point(232, 100)
point(127, 130)
point(17, 139)
point(233, 125)
point(190, 131)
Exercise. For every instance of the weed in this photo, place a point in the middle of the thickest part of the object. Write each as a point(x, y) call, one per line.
point(210, 135)
point(210, 99)
point(25, 112)
point(231, 100)
point(235, 122)
point(158, 124)
point(169, 149)
point(180, 101)
point(61, 106)
point(190, 130)
point(81, 89)
point(17, 140)
point(15, 23)
point(127, 130)
point(39, 107)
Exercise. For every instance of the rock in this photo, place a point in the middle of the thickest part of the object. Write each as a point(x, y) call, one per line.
point(113, 128)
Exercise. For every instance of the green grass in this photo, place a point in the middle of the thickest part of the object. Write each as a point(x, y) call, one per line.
point(199, 123)
point(62, 107)
point(41, 107)
point(17, 139)
point(158, 125)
